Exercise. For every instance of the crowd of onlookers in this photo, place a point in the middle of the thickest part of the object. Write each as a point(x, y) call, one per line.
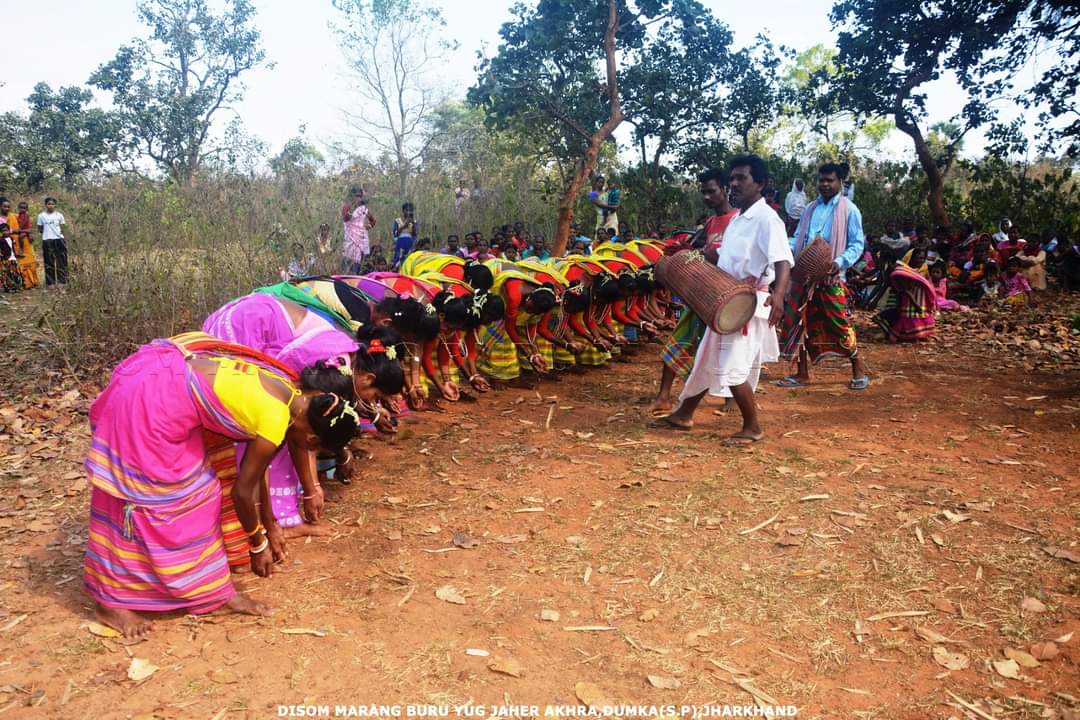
point(967, 267)
point(18, 261)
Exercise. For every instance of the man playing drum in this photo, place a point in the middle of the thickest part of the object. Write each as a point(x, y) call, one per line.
point(817, 323)
point(679, 350)
point(754, 249)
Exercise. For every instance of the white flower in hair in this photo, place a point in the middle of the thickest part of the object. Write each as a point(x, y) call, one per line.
point(429, 309)
point(391, 353)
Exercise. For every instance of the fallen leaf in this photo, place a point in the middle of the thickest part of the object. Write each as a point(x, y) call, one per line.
point(950, 660)
point(393, 535)
point(303, 631)
point(549, 615)
point(591, 695)
point(40, 526)
point(1062, 553)
point(650, 614)
point(663, 682)
point(1022, 658)
point(1064, 638)
point(575, 540)
point(100, 630)
point(433, 529)
point(511, 539)
point(140, 669)
point(1007, 669)
point(224, 677)
point(938, 540)
point(476, 652)
point(464, 541)
point(783, 470)
point(932, 635)
point(506, 666)
point(786, 540)
point(694, 637)
point(450, 594)
point(1044, 651)
point(1032, 605)
point(945, 605)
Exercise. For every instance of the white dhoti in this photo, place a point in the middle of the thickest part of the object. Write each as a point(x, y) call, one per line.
point(724, 361)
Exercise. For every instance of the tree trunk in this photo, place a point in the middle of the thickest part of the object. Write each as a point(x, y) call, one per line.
point(935, 176)
point(585, 167)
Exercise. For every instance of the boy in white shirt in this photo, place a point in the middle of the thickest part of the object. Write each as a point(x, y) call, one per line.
point(51, 226)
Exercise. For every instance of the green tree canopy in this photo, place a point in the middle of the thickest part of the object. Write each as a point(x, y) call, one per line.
point(168, 88)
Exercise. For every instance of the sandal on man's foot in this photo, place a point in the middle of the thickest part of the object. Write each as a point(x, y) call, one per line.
point(790, 382)
point(737, 440)
point(860, 383)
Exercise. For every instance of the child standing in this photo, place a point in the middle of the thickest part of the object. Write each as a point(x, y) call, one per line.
point(10, 277)
point(405, 233)
point(51, 225)
point(24, 247)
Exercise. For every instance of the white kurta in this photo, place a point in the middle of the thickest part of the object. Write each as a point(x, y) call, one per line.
point(754, 241)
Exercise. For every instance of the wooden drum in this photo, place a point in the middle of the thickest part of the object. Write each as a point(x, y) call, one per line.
point(723, 302)
point(813, 262)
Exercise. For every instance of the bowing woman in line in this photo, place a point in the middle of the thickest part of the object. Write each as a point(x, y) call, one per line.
point(326, 358)
point(155, 541)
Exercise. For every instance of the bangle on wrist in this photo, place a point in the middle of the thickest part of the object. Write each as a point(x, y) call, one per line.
point(261, 548)
point(258, 529)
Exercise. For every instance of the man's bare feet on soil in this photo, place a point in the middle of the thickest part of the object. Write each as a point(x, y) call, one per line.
point(745, 437)
point(660, 407)
point(671, 422)
point(128, 623)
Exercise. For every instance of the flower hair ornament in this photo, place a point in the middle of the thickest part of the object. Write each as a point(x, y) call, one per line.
point(429, 309)
point(478, 303)
point(391, 353)
point(375, 347)
point(347, 409)
point(344, 370)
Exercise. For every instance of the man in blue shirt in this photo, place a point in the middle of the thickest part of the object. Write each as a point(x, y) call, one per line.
point(817, 323)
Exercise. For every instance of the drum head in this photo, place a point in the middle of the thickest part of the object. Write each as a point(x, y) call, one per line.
point(736, 312)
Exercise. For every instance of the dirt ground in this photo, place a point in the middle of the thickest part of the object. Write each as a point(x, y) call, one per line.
point(876, 557)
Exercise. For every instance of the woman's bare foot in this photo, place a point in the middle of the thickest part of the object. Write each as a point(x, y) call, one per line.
point(128, 623)
point(308, 530)
point(243, 605)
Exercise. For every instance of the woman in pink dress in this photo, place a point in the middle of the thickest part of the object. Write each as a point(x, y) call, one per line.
point(358, 219)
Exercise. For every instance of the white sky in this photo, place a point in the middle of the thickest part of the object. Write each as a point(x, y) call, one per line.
point(308, 85)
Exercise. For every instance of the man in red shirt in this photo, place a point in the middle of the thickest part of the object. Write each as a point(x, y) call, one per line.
point(678, 353)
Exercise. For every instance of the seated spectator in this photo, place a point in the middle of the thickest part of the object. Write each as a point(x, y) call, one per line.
point(1033, 263)
point(1069, 263)
point(538, 249)
point(941, 290)
point(300, 265)
point(510, 251)
point(916, 260)
point(578, 247)
point(969, 277)
point(452, 247)
point(990, 285)
point(1012, 245)
point(895, 243)
point(1014, 286)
